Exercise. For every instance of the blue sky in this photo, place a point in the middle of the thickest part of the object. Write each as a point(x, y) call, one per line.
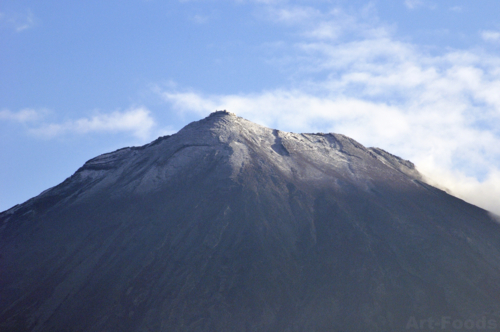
point(418, 78)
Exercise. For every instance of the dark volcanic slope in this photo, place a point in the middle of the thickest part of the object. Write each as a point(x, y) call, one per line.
point(231, 226)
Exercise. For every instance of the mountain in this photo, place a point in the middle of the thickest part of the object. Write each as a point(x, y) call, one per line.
point(231, 226)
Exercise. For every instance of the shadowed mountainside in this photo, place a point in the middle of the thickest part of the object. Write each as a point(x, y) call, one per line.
point(231, 226)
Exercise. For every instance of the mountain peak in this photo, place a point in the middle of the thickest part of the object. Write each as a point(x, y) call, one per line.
point(231, 226)
point(237, 148)
point(221, 113)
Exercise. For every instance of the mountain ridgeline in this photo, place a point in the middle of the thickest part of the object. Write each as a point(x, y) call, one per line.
point(231, 226)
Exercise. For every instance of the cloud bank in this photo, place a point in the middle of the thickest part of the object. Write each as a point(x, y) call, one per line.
point(442, 111)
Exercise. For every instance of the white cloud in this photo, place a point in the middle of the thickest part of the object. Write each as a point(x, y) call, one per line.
point(440, 111)
point(325, 31)
point(325, 24)
point(491, 36)
point(413, 4)
point(483, 193)
point(200, 19)
point(18, 22)
point(292, 14)
point(137, 121)
point(22, 116)
point(26, 23)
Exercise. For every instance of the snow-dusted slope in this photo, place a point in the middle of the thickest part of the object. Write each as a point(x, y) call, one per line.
point(239, 143)
point(231, 226)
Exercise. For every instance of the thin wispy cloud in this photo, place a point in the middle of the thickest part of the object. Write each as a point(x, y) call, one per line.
point(292, 15)
point(440, 111)
point(18, 22)
point(136, 121)
point(22, 116)
point(456, 9)
point(491, 36)
point(414, 4)
point(200, 19)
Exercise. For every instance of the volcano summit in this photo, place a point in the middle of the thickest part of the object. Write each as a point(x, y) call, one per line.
point(231, 226)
